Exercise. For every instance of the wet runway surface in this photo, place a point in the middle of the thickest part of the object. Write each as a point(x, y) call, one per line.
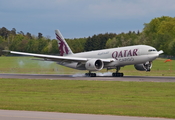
point(82, 77)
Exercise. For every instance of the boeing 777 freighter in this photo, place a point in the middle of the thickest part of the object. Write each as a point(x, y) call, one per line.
point(141, 56)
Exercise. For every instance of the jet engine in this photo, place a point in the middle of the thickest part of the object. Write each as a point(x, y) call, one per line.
point(144, 67)
point(94, 65)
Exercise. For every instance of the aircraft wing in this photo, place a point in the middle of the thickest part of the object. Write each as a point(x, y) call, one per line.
point(59, 58)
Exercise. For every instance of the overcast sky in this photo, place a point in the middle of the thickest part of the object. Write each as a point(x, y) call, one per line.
point(81, 18)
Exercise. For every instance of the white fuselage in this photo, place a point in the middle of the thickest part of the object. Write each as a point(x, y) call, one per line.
point(122, 56)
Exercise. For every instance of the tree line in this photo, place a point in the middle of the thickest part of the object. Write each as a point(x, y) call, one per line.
point(159, 33)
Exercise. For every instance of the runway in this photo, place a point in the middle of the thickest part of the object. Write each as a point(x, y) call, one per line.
point(82, 77)
point(31, 115)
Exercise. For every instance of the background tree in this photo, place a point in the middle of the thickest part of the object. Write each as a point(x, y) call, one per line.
point(97, 42)
point(40, 35)
point(159, 33)
point(28, 35)
point(4, 32)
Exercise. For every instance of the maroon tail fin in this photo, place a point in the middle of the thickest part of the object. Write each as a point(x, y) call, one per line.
point(62, 44)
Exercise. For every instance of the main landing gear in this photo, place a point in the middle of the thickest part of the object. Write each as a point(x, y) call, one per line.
point(90, 74)
point(117, 74)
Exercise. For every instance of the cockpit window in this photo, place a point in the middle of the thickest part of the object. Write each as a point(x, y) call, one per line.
point(150, 50)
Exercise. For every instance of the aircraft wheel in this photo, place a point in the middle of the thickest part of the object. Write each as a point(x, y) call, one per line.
point(93, 75)
point(90, 74)
point(87, 74)
point(120, 74)
point(117, 74)
point(114, 74)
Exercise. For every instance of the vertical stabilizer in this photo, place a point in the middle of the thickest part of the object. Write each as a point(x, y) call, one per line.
point(62, 44)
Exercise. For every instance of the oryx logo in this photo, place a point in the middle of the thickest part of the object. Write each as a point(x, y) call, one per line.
point(62, 46)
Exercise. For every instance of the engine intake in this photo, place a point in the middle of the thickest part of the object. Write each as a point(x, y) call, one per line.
point(144, 67)
point(94, 65)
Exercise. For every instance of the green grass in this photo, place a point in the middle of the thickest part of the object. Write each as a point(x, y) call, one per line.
point(26, 65)
point(95, 97)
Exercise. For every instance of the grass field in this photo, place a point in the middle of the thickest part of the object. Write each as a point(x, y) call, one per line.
point(26, 65)
point(96, 97)
point(148, 99)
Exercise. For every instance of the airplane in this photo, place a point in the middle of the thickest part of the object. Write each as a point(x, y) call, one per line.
point(141, 56)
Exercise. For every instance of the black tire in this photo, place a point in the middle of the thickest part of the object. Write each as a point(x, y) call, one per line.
point(93, 75)
point(90, 74)
point(114, 74)
point(87, 74)
point(117, 74)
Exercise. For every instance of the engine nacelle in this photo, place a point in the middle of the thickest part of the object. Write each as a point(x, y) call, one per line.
point(144, 67)
point(94, 65)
